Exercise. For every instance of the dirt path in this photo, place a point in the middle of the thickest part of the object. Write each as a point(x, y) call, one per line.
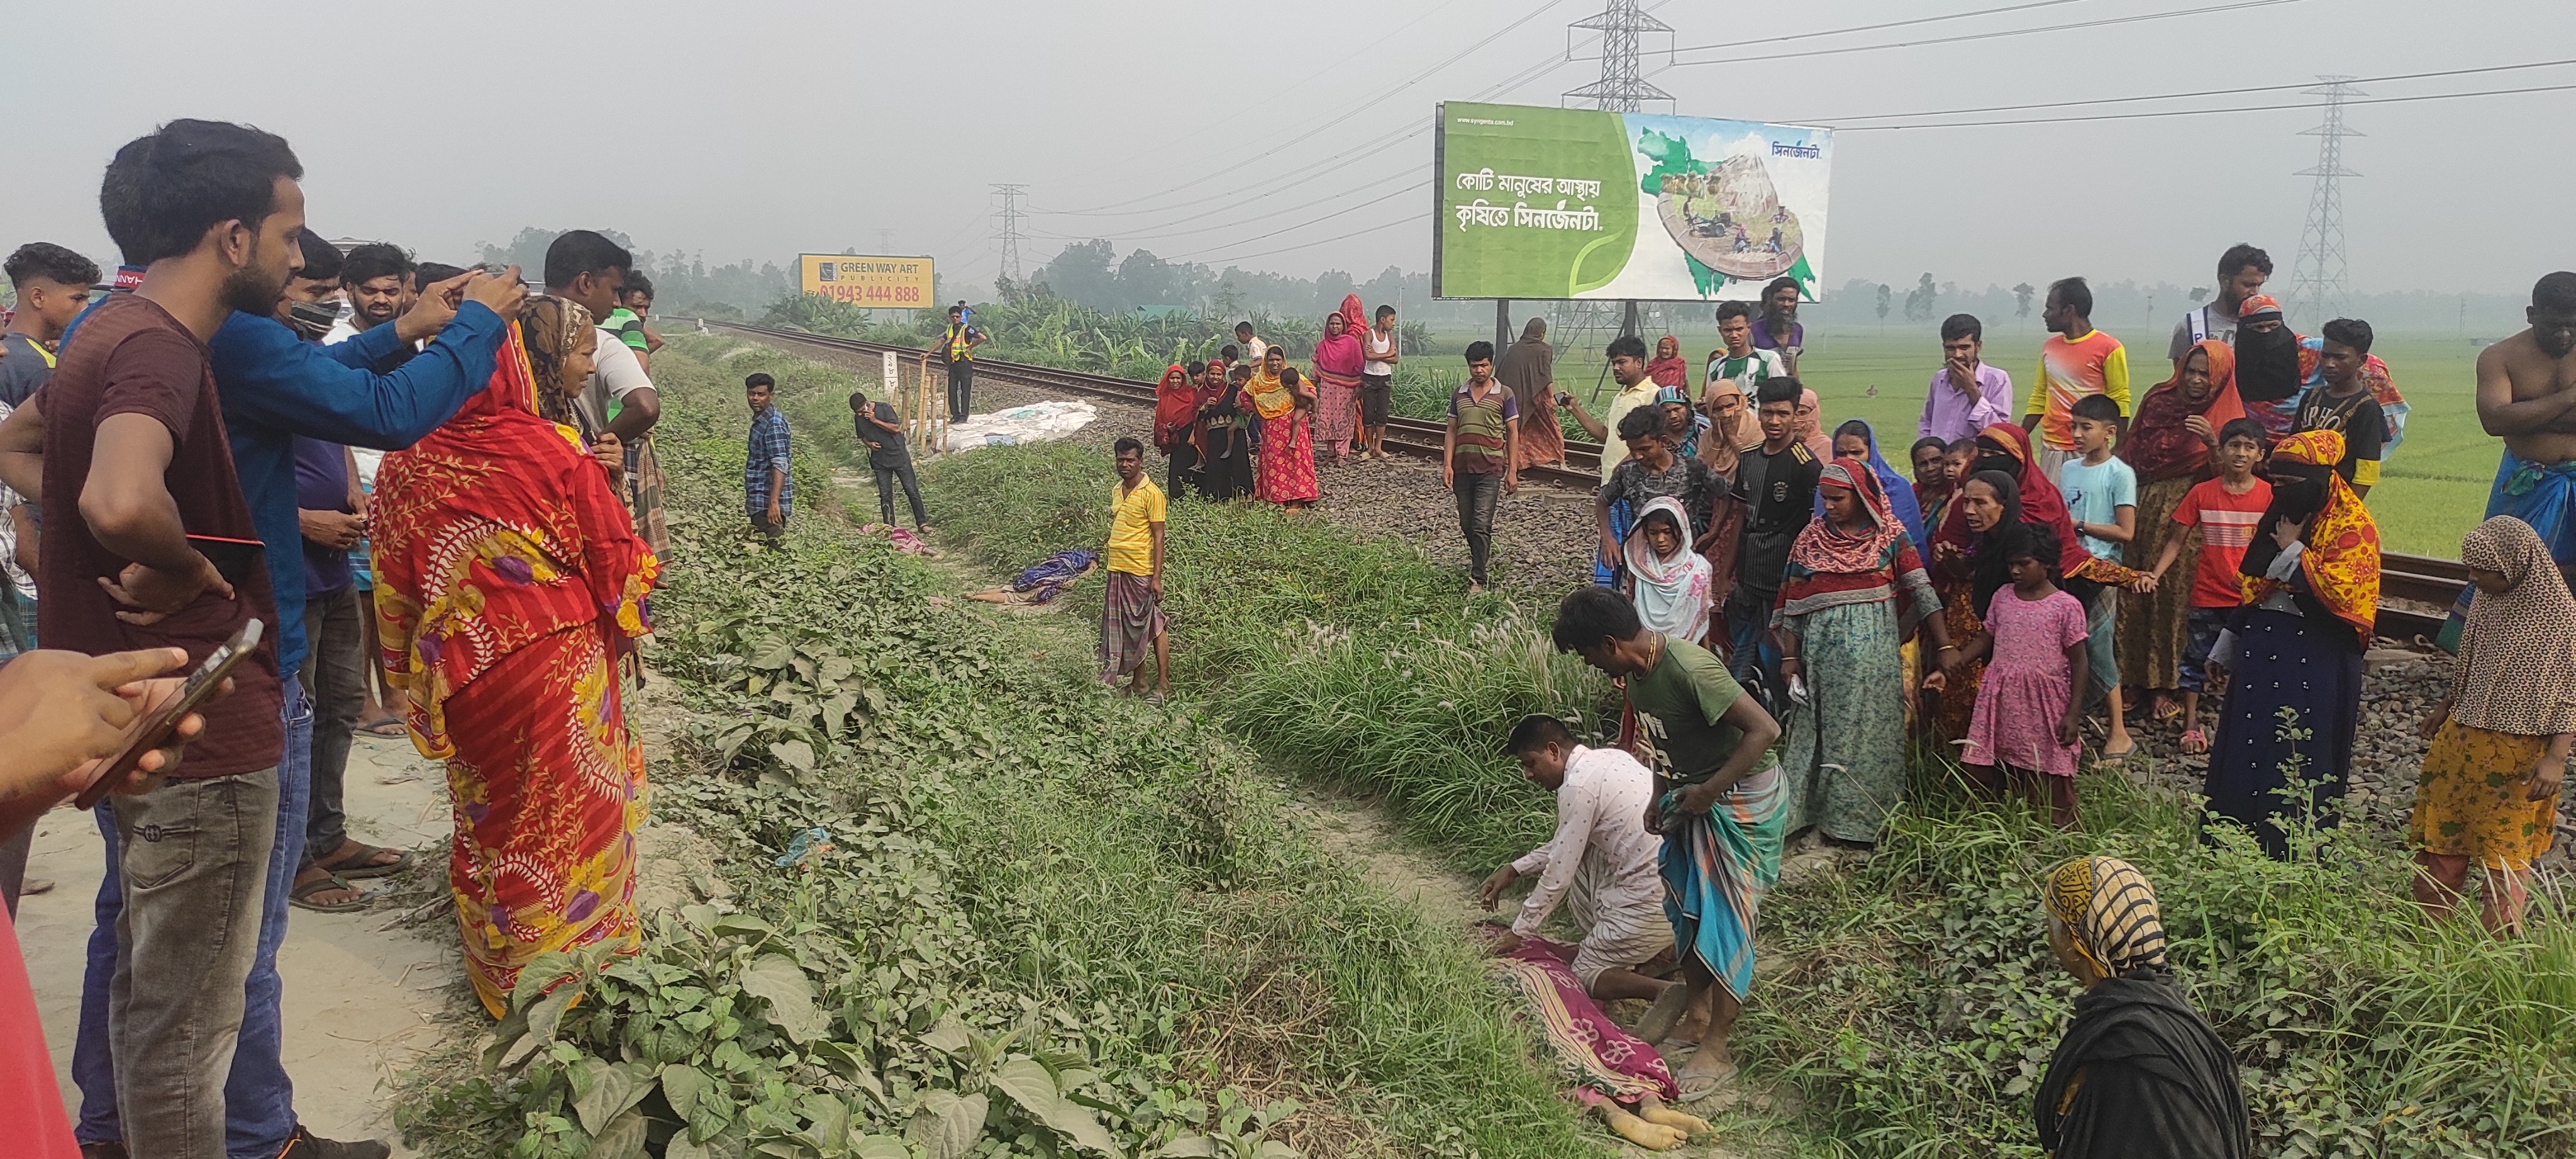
point(361, 1002)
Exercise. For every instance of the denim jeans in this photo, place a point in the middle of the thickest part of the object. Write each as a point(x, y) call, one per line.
point(259, 1099)
point(1477, 495)
point(334, 678)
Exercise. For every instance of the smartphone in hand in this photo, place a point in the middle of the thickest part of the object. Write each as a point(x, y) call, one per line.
point(154, 731)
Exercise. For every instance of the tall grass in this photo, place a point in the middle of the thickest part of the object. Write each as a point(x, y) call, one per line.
point(1913, 996)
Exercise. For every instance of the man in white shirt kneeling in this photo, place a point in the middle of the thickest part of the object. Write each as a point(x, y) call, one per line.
point(1601, 863)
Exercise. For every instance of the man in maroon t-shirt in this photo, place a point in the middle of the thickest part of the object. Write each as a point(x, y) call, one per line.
point(134, 466)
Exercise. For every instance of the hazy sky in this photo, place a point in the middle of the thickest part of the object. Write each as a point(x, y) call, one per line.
point(751, 129)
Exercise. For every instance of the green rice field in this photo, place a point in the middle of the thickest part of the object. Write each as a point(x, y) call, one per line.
point(2431, 491)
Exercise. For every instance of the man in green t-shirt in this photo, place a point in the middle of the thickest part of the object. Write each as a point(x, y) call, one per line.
point(1718, 804)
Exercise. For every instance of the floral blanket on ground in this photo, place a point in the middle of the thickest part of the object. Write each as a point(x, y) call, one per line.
point(1603, 1060)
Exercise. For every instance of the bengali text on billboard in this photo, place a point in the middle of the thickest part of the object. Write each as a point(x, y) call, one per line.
point(893, 283)
point(1574, 203)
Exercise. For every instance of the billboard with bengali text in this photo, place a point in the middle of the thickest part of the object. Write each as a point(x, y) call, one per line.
point(1544, 203)
point(888, 283)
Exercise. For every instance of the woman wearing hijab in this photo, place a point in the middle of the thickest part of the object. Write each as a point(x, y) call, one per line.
point(1286, 408)
point(1967, 568)
point(1176, 410)
point(2267, 365)
point(2140, 1074)
point(1683, 423)
point(1338, 361)
point(2168, 446)
point(1225, 441)
point(2294, 672)
point(1731, 431)
point(2489, 790)
point(1668, 369)
point(509, 582)
point(1811, 425)
point(1854, 592)
point(1900, 492)
point(2006, 447)
point(1667, 581)
point(1528, 368)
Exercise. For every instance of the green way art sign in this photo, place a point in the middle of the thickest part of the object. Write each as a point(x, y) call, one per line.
point(1574, 203)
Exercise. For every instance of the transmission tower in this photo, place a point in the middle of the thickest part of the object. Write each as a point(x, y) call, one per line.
point(1623, 88)
point(2321, 289)
point(1009, 225)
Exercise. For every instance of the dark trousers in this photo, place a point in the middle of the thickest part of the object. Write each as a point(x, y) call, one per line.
point(334, 675)
point(961, 390)
point(1185, 463)
point(769, 531)
point(1477, 496)
point(887, 477)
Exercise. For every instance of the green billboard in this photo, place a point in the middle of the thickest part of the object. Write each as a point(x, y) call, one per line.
point(1545, 203)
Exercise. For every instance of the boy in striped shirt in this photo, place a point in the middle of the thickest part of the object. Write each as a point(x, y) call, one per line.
point(2077, 360)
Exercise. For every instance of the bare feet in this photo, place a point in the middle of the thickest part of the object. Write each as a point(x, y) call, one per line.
point(1651, 1136)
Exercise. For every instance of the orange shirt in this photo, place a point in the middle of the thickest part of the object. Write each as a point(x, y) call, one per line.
point(2092, 364)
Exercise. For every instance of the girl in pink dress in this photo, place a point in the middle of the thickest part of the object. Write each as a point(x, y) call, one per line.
point(2024, 729)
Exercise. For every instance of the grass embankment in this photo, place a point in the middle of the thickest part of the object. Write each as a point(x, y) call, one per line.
point(1046, 919)
point(1912, 998)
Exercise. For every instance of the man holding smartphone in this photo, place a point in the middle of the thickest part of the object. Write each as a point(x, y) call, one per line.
point(133, 460)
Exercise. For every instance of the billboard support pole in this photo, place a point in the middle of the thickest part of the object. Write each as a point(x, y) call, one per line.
point(1502, 324)
point(1628, 325)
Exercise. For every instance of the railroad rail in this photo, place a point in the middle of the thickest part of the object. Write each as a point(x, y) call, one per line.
point(2416, 590)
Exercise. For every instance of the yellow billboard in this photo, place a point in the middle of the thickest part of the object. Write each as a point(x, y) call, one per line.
point(891, 283)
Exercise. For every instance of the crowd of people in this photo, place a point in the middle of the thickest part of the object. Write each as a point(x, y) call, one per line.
point(1792, 619)
point(428, 494)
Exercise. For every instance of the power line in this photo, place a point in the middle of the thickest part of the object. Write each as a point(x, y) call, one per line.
point(1413, 188)
point(2391, 78)
point(2207, 112)
point(1999, 34)
point(1878, 27)
point(1321, 241)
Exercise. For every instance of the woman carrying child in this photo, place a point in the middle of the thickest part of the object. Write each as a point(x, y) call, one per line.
point(1854, 593)
point(2025, 726)
point(2489, 790)
point(2294, 688)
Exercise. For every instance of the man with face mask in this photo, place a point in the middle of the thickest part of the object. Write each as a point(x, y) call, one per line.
point(2527, 395)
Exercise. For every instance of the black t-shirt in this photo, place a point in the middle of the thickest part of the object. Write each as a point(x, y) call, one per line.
point(1779, 488)
point(2357, 416)
point(885, 448)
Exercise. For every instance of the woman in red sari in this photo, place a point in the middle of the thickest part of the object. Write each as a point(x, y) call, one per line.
point(509, 582)
point(1287, 409)
point(1338, 361)
point(1668, 369)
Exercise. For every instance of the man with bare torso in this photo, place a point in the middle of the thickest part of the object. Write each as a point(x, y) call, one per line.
point(2527, 395)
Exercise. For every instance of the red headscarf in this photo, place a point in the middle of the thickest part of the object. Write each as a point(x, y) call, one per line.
point(1668, 370)
point(1823, 546)
point(1175, 407)
point(2157, 446)
point(491, 533)
point(2040, 501)
point(1343, 356)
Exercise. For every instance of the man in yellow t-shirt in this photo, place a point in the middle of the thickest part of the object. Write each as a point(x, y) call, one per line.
point(1131, 616)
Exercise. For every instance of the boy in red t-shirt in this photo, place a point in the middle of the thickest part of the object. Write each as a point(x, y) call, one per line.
point(2226, 509)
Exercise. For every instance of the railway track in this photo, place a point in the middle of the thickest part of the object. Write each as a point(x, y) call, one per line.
point(2416, 590)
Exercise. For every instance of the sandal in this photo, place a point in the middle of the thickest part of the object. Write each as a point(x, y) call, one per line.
point(301, 897)
point(2194, 741)
point(356, 866)
point(2112, 758)
point(385, 727)
point(1695, 1088)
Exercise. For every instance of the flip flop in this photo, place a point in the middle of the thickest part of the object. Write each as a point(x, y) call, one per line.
point(2112, 758)
point(2195, 741)
point(300, 896)
point(1695, 1088)
point(1665, 1014)
point(354, 867)
point(385, 727)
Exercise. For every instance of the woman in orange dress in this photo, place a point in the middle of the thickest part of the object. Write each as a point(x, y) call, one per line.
point(510, 581)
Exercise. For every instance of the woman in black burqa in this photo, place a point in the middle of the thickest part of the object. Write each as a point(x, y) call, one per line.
point(2139, 1075)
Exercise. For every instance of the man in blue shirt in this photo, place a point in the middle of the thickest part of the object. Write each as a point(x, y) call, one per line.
point(274, 386)
point(767, 491)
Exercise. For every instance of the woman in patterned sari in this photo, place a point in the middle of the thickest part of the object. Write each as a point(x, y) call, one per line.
point(1856, 591)
point(509, 582)
point(2168, 446)
point(1337, 366)
point(1286, 408)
